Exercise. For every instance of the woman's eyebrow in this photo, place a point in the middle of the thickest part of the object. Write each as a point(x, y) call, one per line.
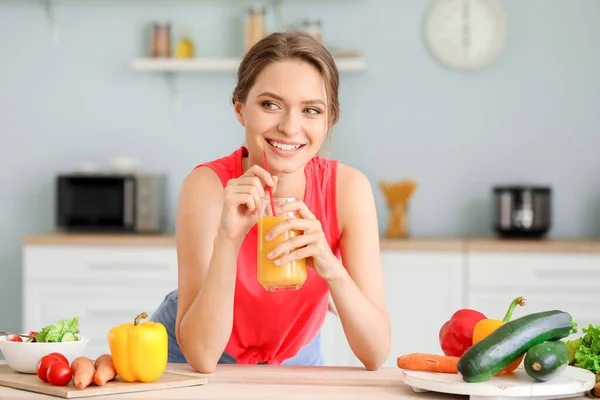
point(277, 97)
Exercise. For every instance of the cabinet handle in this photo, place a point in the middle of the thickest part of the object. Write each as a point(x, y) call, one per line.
point(567, 273)
point(129, 266)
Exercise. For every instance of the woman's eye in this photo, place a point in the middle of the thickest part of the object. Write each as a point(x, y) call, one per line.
point(313, 111)
point(269, 105)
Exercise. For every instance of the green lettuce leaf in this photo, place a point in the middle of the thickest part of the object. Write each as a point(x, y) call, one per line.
point(585, 351)
point(56, 332)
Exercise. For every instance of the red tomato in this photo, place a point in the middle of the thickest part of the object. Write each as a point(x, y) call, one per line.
point(59, 356)
point(59, 373)
point(15, 338)
point(44, 364)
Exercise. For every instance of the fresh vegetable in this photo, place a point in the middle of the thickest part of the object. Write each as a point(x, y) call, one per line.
point(428, 362)
point(546, 360)
point(59, 356)
point(139, 350)
point(585, 350)
point(54, 368)
point(511, 340)
point(59, 373)
point(45, 362)
point(15, 338)
point(456, 335)
point(484, 327)
point(83, 372)
point(65, 330)
point(105, 369)
point(33, 334)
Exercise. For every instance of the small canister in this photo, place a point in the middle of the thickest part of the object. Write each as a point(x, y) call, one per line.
point(161, 40)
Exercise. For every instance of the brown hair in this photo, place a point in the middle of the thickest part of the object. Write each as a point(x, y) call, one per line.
point(294, 45)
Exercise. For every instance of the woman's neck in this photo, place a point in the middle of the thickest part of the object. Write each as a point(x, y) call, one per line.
point(288, 185)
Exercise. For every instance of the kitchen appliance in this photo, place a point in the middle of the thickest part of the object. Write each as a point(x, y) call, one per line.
point(105, 202)
point(522, 211)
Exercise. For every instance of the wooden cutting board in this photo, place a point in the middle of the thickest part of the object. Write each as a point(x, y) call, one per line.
point(32, 383)
point(298, 375)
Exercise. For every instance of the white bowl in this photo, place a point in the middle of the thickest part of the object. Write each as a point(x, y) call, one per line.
point(23, 357)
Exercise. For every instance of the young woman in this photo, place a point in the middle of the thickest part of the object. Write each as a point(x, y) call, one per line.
point(286, 98)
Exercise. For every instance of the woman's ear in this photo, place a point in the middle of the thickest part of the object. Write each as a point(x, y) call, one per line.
point(239, 111)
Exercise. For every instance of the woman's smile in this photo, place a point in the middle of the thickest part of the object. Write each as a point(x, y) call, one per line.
point(284, 148)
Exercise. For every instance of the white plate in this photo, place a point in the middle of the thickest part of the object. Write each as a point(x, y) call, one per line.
point(571, 382)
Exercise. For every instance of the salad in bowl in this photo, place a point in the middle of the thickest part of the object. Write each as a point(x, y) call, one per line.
point(22, 352)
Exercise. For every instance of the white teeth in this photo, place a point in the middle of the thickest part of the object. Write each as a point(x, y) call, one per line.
point(282, 146)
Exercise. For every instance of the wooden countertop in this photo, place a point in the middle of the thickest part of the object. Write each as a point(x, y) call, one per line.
point(260, 382)
point(584, 245)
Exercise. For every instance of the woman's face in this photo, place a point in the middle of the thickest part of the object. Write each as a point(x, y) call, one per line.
point(286, 115)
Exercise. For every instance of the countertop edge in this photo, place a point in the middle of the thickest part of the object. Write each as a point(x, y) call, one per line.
point(425, 244)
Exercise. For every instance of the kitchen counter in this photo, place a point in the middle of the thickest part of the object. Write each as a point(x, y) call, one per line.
point(275, 382)
point(412, 244)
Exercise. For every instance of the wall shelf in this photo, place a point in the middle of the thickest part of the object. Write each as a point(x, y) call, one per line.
point(172, 65)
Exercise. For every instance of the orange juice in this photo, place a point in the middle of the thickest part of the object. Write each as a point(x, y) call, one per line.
point(289, 276)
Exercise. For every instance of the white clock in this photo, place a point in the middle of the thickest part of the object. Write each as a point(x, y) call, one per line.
point(465, 34)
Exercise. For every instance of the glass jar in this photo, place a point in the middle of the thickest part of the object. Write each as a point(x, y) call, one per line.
point(255, 25)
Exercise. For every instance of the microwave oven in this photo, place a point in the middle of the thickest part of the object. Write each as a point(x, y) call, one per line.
point(110, 203)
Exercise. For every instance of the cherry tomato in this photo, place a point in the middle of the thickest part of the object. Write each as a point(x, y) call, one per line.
point(34, 334)
point(44, 364)
point(59, 356)
point(59, 373)
point(15, 338)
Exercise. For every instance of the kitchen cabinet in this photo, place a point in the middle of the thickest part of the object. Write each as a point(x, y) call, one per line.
point(109, 280)
point(102, 285)
point(423, 289)
point(563, 281)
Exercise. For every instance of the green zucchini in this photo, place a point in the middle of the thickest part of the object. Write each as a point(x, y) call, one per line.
point(510, 341)
point(546, 360)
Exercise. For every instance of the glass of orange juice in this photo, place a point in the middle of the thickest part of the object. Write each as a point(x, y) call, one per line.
point(273, 277)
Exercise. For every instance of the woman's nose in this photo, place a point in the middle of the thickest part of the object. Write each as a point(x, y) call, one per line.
point(290, 124)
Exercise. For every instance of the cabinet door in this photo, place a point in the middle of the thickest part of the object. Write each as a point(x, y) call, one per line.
point(422, 291)
point(549, 281)
point(99, 308)
point(582, 307)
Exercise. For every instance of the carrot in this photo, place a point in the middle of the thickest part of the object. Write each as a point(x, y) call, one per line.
point(105, 369)
point(429, 362)
point(83, 372)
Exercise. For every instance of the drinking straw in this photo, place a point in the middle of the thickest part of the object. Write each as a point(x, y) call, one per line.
point(269, 188)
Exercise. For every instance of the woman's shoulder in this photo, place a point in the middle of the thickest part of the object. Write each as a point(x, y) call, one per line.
point(354, 194)
point(223, 168)
point(351, 179)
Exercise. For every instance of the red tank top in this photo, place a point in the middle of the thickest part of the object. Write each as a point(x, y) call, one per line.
point(273, 326)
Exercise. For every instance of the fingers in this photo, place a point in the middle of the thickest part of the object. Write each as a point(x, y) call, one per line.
point(253, 182)
point(291, 245)
point(298, 254)
point(300, 207)
point(265, 177)
point(306, 225)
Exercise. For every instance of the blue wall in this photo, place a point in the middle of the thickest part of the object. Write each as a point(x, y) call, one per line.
point(534, 115)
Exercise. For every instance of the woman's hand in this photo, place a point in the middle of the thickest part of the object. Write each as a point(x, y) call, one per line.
point(242, 199)
point(311, 245)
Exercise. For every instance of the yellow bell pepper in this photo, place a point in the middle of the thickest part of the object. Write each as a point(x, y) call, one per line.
point(485, 327)
point(139, 350)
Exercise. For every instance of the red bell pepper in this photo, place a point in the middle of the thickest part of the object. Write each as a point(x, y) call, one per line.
point(456, 335)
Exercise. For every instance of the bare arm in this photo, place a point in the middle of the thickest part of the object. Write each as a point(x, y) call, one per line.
point(207, 268)
point(359, 293)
